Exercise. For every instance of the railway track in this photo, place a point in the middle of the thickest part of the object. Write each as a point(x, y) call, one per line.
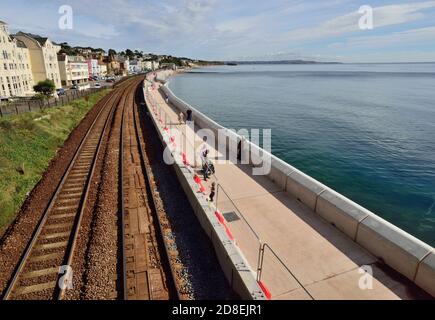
point(149, 271)
point(149, 268)
point(43, 272)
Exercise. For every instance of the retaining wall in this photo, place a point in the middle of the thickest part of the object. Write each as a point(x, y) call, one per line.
point(232, 261)
point(398, 249)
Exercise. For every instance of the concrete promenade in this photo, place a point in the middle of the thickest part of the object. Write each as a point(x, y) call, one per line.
point(318, 261)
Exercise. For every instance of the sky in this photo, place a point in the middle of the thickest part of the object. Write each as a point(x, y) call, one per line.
point(322, 30)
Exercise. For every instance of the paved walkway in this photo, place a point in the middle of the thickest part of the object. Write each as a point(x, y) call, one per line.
point(324, 263)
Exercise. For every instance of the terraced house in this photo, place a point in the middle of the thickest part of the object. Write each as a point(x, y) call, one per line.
point(16, 79)
point(73, 70)
point(43, 57)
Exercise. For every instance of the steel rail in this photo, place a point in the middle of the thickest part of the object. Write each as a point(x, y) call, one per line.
point(153, 203)
point(106, 101)
point(77, 225)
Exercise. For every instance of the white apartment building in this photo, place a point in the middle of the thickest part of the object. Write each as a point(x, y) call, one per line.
point(43, 57)
point(102, 69)
point(151, 65)
point(135, 66)
point(16, 78)
point(73, 70)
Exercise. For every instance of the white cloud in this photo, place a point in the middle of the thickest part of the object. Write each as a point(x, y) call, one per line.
point(240, 25)
point(224, 29)
point(348, 23)
point(413, 36)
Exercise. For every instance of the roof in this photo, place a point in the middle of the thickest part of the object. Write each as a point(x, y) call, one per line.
point(62, 57)
point(2, 22)
point(76, 59)
point(20, 44)
point(121, 58)
point(41, 40)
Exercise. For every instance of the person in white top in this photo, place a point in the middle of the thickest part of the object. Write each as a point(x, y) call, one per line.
point(181, 117)
point(203, 151)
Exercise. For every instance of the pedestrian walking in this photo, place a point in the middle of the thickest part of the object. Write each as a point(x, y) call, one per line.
point(239, 151)
point(189, 115)
point(204, 151)
point(212, 192)
point(240, 147)
point(181, 117)
point(206, 170)
point(204, 156)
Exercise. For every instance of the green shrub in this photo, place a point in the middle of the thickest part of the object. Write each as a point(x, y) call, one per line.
point(39, 96)
point(45, 87)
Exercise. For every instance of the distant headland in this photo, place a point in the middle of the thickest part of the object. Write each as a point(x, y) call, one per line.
point(235, 63)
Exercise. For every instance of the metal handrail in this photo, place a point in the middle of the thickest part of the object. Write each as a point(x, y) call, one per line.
point(235, 206)
point(260, 269)
point(263, 245)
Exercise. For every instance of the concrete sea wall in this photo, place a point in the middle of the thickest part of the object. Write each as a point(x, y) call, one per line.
point(401, 251)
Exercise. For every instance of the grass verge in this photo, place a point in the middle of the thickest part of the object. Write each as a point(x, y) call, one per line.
point(28, 142)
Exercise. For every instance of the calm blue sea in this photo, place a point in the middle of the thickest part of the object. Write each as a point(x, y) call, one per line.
point(366, 130)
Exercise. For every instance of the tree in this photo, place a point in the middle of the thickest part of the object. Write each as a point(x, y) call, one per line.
point(138, 53)
point(177, 61)
point(45, 87)
point(112, 52)
point(98, 50)
point(66, 49)
point(130, 54)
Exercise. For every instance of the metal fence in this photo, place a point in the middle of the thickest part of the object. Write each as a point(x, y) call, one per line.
point(29, 105)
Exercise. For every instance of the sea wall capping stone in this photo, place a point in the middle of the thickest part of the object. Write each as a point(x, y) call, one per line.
point(425, 277)
point(343, 213)
point(304, 188)
point(395, 247)
point(280, 171)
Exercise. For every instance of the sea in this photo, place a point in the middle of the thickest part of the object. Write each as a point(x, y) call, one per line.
point(365, 130)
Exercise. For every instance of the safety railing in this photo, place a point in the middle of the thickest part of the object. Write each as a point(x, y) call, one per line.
point(227, 205)
point(260, 269)
point(30, 105)
point(224, 204)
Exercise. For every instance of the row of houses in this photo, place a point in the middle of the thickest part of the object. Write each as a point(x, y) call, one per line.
point(139, 65)
point(26, 59)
